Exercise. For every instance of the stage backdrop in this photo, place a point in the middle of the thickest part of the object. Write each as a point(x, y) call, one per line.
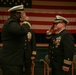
point(42, 13)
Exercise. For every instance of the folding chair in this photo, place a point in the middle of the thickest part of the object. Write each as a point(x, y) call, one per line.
point(32, 68)
point(46, 68)
point(73, 67)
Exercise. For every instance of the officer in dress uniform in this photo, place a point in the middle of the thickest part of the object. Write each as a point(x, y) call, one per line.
point(30, 51)
point(12, 55)
point(61, 47)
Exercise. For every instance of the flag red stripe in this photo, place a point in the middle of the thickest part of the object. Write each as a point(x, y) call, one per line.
point(41, 14)
point(44, 31)
point(54, 7)
point(0, 29)
point(48, 23)
point(2, 13)
point(50, 15)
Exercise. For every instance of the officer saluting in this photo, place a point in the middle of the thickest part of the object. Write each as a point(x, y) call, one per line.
point(12, 55)
point(61, 47)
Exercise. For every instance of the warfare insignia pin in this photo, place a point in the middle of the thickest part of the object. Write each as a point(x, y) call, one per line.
point(57, 42)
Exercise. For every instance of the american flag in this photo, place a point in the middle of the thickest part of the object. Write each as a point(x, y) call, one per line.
point(10, 3)
point(43, 12)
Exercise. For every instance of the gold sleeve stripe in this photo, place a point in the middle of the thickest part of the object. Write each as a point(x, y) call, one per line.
point(34, 52)
point(58, 21)
point(25, 22)
point(67, 62)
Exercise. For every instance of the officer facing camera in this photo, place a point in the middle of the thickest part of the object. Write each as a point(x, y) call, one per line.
point(61, 47)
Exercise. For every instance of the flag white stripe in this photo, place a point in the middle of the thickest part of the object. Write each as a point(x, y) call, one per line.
point(50, 11)
point(47, 19)
point(46, 27)
point(4, 17)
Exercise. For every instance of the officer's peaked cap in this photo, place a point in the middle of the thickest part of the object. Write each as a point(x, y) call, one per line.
point(60, 19)
point(16, 8)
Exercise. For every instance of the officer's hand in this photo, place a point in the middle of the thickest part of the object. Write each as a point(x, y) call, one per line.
point(50, 31)
point(66, 69)
point(32, 58)
point(52, 27)
point(24, 16)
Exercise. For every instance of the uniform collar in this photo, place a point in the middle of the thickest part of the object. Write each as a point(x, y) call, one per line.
point(60, 31)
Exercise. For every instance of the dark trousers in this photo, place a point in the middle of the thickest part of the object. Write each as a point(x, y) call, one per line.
point(27, 66)
point(57, 68)
point(17, 69)
point(60, 72)
point(12, 70)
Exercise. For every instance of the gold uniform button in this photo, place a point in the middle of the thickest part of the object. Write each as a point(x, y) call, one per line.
point(24, 47)
point(53, 47)
point(25, 40)
point(52, 52)
point(52, 57)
